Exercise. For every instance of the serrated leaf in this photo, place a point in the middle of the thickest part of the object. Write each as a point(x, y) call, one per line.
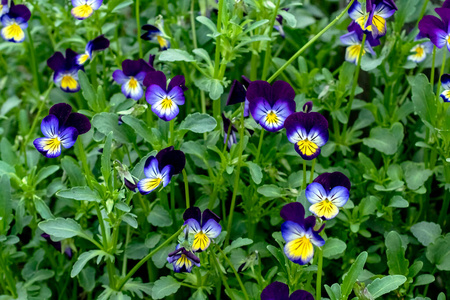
point(381, 286)
point(396, 255)
point(426, 232)
point(176, 55)
point(83, 260)
point(238, 243)
point(165, 286)
point(270, 191)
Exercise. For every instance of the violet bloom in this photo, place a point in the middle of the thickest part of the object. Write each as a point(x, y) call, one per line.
point(420, 51)
point(238, 94)
point(98, 44)
point(132, 77)
point(373, 20)
point(66, 70)
point(60, 128)
point(353, 40)
point(280, 291)
point(83, 9)
point(183, 260)
point(165, 98)
point(226, 126)
point(204, 226)
point(271, 105)
point(155, 34)
point(14, 21)
point(438, 30)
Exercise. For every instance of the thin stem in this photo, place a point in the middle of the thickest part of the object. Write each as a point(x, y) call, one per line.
point(203, 104)
point(138, 29)
point(422, 12)
point(261, 139)
point(186, 188)
point(218, 40)
point(127, 240)
point(194, 33)
point(311, 177)
point(171, 132)
point(438, 91)
point(304, 175)
point(308, 44)
point(268, 56)
point(433, 64)
point(34, 66)
point(319, 274)
point(224, 280)
point(142, 261)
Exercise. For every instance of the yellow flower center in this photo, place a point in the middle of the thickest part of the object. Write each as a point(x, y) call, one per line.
point(166, 103)
point(13, 31)
point(53, 144)
point(307, 147)
point(325, 208)
point(301, 247)
point(153, 183)
point(161, 41)
point(272, 118)
point(133, 83)
point(448, 39)
point(68, 82)
point(419, 50)
point(201, 241)
point(354, 51)
point(183, 260)
point(83, 11)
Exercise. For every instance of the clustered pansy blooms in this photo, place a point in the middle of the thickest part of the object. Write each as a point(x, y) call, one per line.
point(280, 291)
point(83, 9)
point(14, 21)
point(153, 33)
point(60, 128)
point(437, 29)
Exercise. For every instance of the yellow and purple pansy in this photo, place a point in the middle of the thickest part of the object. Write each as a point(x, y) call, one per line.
point(66, 70)
point(14, 21)
point(160, 169)
point(98, 44)
point(155, 34)
point(183, 260)
point(165, 98)
point(308, 131)
point(238, 94)
point(270, 105)
point(353, 40)
point(60, 128)
point(280, 291)
point(299, 233)
point(420, 51)
point(327, 193)
point(438, 30)
point(132, 76)
point(83, 9)
point(204, 226)
point(445, 80)
point(373, 19)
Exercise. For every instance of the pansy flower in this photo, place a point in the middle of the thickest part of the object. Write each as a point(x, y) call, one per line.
point(280, 291)
point(4, 7)
point(353, 40)
point(66, 70)
point(308, 131)
point(438, 30)
point(445, 80)
point(183, 260)
point(83, 9)
point(155, 34)
point(226, 127)
point(132, 76)
point(238, 94)
point(374, 20)
point(420, 51)
point(165, 98)
point(204, 226)
point(299, 233)
point(14, 21)
point(98, 44)
point(327, 193)
point(60, 128)
point(271, 105)
point(160, 169)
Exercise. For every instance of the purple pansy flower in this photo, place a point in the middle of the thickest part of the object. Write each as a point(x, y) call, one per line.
point(183, 260)
point(373, 20)
point(164, 98)
point(280, 291)
point(66, 70)
point(160, 169)
point(14, 21)
point(132, 77)
point(445, 80)
point(204, 226)
point(98, 44)
point(327, 193)
point(420, 51)
point(155, 34)
point(60, 128)
point(308, 131)
point(226, 126)
point(271, 105)
point(438, 30)
point(57, 245)
point(83, 9)
point(238, 94)
point(299, 233)
point(353, 40)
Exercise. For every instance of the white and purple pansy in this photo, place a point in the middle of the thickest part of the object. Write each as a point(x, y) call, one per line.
point(132, 76)
point(353, 40)
point(14, 21)
point(308, 131)
point(98, 44)
point(153, 33)
point(327, 193)
point(203, 226)
point(445, 80)
point(183, 260)
point(61, 129)
point(160, 169)
point(299, 233)
point(164, 98)
point(420, 51)
point(438, 30)
point(271, 105)
point(65, 70)
point(238, 94)
point(280, 291)
point(83, 9)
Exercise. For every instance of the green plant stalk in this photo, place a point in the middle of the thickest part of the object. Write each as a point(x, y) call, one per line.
point(311, 177)
point(304, 175)
point(308, 44)
point(433, 67)
point(217, 103)
point(203, 104)
point(138, 28)
point(34, 66)
point(194, 32)
point(261, 138)
point(127, 240)
point(9, 279)
point(186, 188)
point(222, 277)
point(171, 138)
point(355, 84)
point(268, 55)
point(443, 213)
point(438, 91)
point(227, 139)
point(422, 12)
point(147, 257)
point(234, 271)
point(236, 179)
point(319, 274)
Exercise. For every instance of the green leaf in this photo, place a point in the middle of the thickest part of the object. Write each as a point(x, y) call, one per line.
point(152, 240)
point(288, 17)
point(141, 129)
point(39, 275)
point(73, 171)
point(80, 194)
point(86, 278)
point(385, 140)
point(165, 286)
point(238, 243)
point(61, 228)
point(333, 247)
point(5, 168)
point(215, 89)
point(424, 279)
point(198, 123)
point(415, 174)
point(270, 191)
point(396, 255)
point(424, 99)
point(106, 159)
point(381, 286)
point(351, 276)
point(83, 260)
point(88, 91)
point(5, 204)
point(255, 172)
point(159, 217)
point(107, 122)
point(43, 209)
point(334, 292)
point(426, 232)
point(176, 55)
point(399, 202)
point(44, 173)
point(438, 252)
point(208, 23)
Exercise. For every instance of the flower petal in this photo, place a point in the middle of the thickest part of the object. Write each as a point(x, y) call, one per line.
point(275, 291)
point(339, 195)
point(212, 229)
point(68, 137)
point(151, 169)
point(50, 126)
point(294, 212)
point(292, 231)
point(315, 193)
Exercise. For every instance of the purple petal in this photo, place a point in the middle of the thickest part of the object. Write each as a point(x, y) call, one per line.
point(194, 226)
point(292, 230)
point(151, 168)
point(120, 77)
point(212, 229)
point(131, 67)
point(95, 4)
point(56, 61)
point(294, 212)
point(178, 81)
point(259, 90)
point(193, 213)
point(275, 291)
point(444, 13)
point(177, 95)
point(158, 78)
point(50, 126)
point(430, 24)
point(259, 109)
point(301, 295)
point(62, 112)
point(331, 180)
point(306, 122)
point(175, 158)
point(68, 137)
point(47, 147)
point(209, 215)
point(282, 90)
point(315, 193)
point(339, 195)
point(166, 174)
point(237, 93)
point(20, 11)
point(78, 121)
point(445, 80)
point(99, 43)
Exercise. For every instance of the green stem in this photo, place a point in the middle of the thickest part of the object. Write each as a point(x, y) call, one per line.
point(422, 12)
point(219, 271)
point(127, 240)
point(194, 32)
point(319, 275)
point(304, 175)
point(203, 104)
point(34, 66)
point(219, 39)
point(186, 188)
point(171, 132)
point(268, 55)
point(142, 261)
point(261, 138)
point(308, 44)
point(438, 91)
point(138, 29)
point(311, 177)
point(433, 66)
